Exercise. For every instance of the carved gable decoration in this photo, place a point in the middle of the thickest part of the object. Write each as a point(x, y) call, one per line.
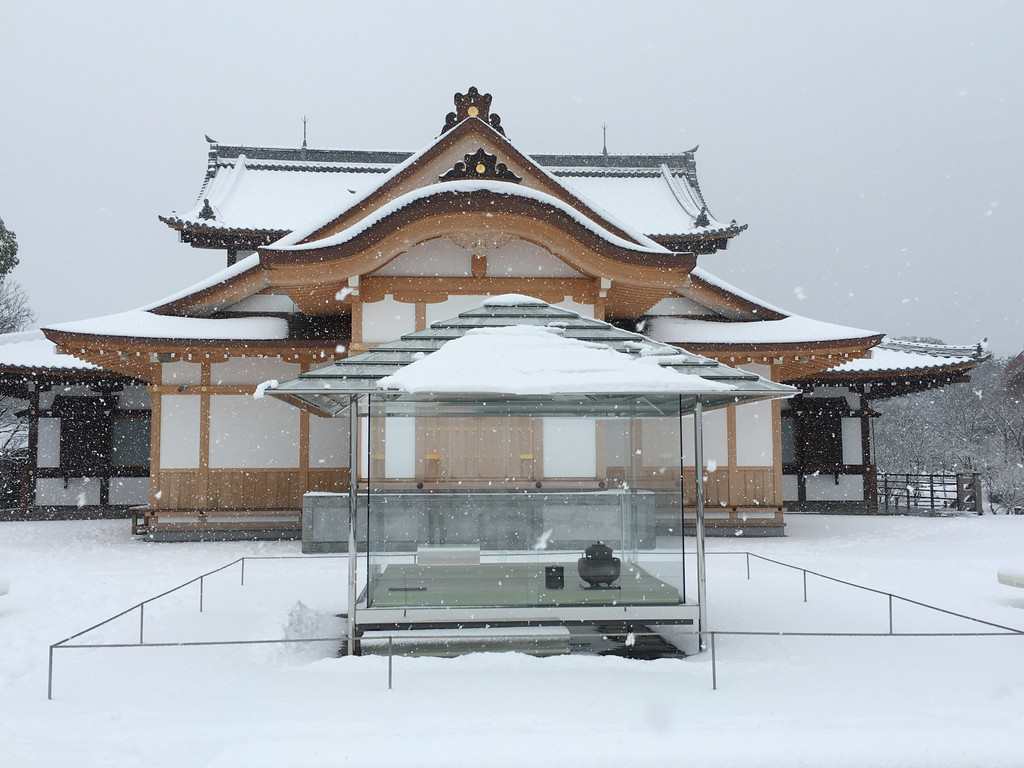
point(480, 165)
point(472, 104)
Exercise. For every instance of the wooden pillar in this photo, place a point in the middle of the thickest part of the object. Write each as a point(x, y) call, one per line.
point(303, 446)
point(736, 490)
point(356, 342)
point(777, 451)
point(202, 495)
point(154, 447)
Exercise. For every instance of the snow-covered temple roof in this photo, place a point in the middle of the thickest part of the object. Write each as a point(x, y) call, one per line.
point(515, 347)
point(32, 351)
point(898, 367)
point(291, 242)
point(141, 324)
point(252, 196)
point(789, 330)
point(893, 355)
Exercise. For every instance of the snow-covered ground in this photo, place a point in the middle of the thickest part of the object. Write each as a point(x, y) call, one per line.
point(782, 701)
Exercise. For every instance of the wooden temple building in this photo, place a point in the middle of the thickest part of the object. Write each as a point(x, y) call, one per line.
point(329, 253)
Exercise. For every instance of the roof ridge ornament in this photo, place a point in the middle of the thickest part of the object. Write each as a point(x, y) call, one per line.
point(472, 104)
point(207, 213)
point(480, 165)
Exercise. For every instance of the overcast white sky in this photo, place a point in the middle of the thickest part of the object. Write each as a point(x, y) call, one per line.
point(872, 147)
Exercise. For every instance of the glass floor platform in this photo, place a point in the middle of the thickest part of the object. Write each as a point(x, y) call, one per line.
point(509, 585)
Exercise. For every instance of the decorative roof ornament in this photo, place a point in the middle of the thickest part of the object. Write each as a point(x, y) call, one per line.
point(472, 104)
point(703, 220)
point(207, 212)
point(480, 165)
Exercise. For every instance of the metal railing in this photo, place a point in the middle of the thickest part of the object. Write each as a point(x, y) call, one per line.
point(705, 639)
point(1001, 629)
point(141, 608)
point(955, 492)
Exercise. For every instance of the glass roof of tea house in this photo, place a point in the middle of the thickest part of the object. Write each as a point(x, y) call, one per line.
point(516, 355)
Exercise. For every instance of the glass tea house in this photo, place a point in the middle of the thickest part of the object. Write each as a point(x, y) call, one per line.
point(501, 471)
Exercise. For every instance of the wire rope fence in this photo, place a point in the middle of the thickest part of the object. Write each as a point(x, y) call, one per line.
point(426, 642)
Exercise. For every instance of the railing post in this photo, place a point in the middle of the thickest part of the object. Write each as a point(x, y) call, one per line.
point(49, 677)
point(714, 668)
point(390, 650)
point(142, 622)
point(805, 586)
point(243, 572)
point(890, 614)
point(201, 594)
point(748, 566)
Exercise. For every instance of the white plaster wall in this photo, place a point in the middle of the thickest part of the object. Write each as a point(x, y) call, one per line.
point(440, 258)
point(450, 307)
point(252, 370)
point(758, 368)
point(179, 432)
point(522, 259)
point(328, 442)
point(852, 453)
point(824, 488)
point(399, 447)
point(129, 490)
point(660, 444)
point(80, 492)
point(754, 436)
point(570, 447)
point(587, 310)
point(48, 443)
point(716, 438)
point(852, 398)
point(790, 488)
point(46, 399)
point(616, 441)
point(181, 373)
point(134, 399)
point(247, 433)
point(264, 302)
point(364, 436)
point(388, 320)
point(677, 305)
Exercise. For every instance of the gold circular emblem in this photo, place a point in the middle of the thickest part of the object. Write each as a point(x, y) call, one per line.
point(480, 168)
point(473, 111)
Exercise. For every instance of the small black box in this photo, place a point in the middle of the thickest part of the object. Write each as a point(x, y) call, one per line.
point(554, 577)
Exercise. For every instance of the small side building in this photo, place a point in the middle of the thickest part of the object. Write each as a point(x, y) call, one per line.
point(87, 438)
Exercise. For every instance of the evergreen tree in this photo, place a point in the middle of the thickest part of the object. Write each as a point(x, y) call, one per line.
point(8, 250)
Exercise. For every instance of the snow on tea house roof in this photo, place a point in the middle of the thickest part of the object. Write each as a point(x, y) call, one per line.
point(518, 355)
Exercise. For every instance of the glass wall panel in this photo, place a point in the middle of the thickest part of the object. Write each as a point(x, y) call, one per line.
point(482, 523)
